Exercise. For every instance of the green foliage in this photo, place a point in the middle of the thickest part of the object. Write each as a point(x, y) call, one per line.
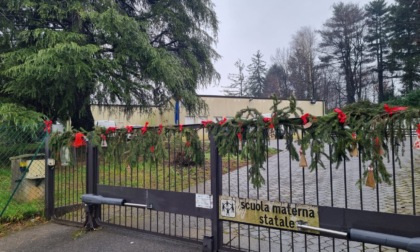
point(59, 57)
point(256, 76)
point(411, 99)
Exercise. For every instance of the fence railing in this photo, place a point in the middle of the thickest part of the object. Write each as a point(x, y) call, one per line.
point(22, 173)
point(339, 193)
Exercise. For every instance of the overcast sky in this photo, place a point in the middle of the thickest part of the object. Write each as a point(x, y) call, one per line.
point(246, 26)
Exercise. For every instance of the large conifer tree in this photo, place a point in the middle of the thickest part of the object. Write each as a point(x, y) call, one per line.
point(61, 56)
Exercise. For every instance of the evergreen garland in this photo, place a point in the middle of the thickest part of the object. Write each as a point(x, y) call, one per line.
point(373, 129)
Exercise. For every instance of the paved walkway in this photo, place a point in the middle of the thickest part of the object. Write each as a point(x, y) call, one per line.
point(53, 237)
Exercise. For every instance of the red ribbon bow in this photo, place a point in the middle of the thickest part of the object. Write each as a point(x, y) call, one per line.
point(305, 118)
point(223, 121)
point(205, 123)
point(160, 129)
point(79, 140)
point(340, 115)
point(391, 110)
point(48, 125)
point(129, 129)
point(110, 129)
point(152, 149)
point(269, 120)
point(144, 129)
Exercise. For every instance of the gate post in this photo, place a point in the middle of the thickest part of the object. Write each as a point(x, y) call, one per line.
point(216, 191)
point(49, 182)
point(92, 172)
point(92, 168)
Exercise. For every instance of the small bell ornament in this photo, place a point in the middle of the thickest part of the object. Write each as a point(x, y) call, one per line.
point(103, 141)
point(302, 161)
point(370, 180)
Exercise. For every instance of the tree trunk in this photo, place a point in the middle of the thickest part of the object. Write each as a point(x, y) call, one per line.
point(82, 117)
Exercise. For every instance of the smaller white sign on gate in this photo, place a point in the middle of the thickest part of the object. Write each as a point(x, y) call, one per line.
point(203, 201)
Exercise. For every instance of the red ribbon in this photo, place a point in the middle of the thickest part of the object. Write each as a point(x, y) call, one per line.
point(418, 130)
point(144, 129)
point(205, 123)
point(79, 140)
point(305, 118)
point(269, 120)
point(180, 127)
point(353, 135)
point(391, 110)
point(239, 134)
point(340, 115)
point(160, 129)
point(223, 121)
point(110, 129)
point(129, 129)
point(48, 125)
point(152, 149)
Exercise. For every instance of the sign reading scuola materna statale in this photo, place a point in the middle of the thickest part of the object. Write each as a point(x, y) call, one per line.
point(271, 214)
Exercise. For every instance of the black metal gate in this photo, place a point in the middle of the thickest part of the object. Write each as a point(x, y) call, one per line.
point(172, 192)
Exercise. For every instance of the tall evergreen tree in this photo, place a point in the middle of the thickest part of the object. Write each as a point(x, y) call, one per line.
point(256, 76)
point(377, 21)
point(405, 42)
point(342, 40)
point(276, 82)
point(238, 81)
point(61, 56)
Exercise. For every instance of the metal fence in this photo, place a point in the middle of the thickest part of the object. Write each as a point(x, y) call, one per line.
point(172, 183)
point(22, 173)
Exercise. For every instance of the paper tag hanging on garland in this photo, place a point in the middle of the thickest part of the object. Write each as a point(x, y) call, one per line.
point(370, 180)
point(302, 161)
point(354, 150)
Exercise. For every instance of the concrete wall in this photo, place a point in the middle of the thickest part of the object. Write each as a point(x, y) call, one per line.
point(219, 107)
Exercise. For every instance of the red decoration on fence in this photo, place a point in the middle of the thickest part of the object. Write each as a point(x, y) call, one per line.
point(391, 110)
point(305, 118)
point(269, 120)
point(110, 130)
point(340, 115)
point(417, 142)
point(48, 126)
point(79, 140)
point(239, 134)
point(205, 123)
point(129, 129)
point(144, 129)
point(160, 129)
